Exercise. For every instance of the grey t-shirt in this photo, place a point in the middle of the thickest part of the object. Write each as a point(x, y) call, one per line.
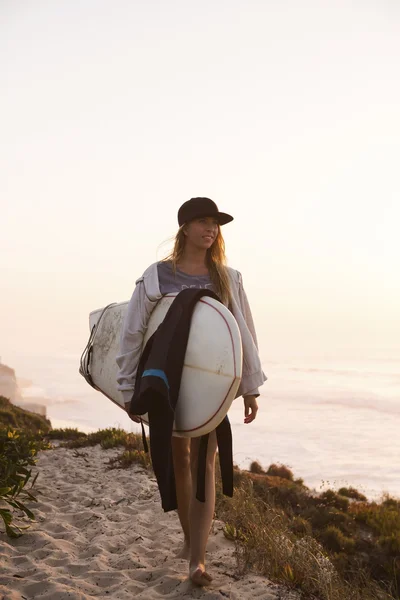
point(171, 282)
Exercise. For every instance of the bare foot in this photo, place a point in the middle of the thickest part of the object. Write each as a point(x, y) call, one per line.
point(199, 575)
point(185, 551)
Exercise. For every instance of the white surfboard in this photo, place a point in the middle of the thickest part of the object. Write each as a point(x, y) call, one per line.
point(212, 366)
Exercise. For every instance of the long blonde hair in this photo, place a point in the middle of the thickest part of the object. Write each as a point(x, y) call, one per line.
point(215, 260)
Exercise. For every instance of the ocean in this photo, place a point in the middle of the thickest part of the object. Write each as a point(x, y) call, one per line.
point(333, 419)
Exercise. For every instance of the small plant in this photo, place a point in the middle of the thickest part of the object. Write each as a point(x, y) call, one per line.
point(129, 457)
point(230, 532)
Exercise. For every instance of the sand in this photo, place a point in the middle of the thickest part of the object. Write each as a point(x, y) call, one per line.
point(101, 533)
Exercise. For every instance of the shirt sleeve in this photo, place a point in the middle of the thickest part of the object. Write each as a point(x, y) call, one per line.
point(246, 310)
point(254, 392)
point(248, 317)
point(131, 341)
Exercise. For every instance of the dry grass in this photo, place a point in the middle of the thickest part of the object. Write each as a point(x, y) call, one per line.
point(275, 542)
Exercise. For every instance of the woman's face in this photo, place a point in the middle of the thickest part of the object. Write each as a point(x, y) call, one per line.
point(202, 232)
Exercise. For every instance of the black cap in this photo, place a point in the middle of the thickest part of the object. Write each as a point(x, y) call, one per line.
point(201, 207)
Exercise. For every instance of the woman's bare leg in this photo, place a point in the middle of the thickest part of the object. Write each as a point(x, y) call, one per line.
point(201, 513)
point(183, 483)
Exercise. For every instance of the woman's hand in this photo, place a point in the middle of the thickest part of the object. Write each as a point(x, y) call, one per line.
point(133, 417)
point(250, 408)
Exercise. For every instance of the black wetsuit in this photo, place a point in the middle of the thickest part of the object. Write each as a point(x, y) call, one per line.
point(156, 393)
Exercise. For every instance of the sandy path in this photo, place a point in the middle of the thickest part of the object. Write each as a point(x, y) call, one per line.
point(102, 534)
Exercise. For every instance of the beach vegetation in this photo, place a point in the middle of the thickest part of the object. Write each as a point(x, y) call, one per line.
point(300, 526)
point(330, 546)
point(313, 542)
point(255, 467)
point(280, 471)
point(22, 435)
point(130, 457)
point(18, 451)
point(352, 493)
point(112, 438)
point(69, 433)
point(334, 539)
point(383, 517)
point(334, 499)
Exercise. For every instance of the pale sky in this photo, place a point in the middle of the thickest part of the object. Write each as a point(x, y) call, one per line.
point(285, 113)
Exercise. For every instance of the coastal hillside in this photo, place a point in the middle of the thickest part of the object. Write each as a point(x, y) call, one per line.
point(19, 418)
point(10, 389)
point(8, 384)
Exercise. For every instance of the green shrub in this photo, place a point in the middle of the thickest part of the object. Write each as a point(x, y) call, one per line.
point(331, 498)
point(390, 544)
point(300, 527)
point(90, 439)
point(280, 471)
point(108, 438)
point(255, 467)
point(17, 454)
point(383, 518)
point(390, 502)
point(69, 433)
point(333, 539)
point(117, 437)
point(289, 496)
point(352, 493)
point(134, 442)
point(321, 516)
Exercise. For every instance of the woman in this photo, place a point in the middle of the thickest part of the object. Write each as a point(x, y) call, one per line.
point(197, 260)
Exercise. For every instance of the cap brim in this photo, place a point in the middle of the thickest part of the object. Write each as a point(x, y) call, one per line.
point(224, 218)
